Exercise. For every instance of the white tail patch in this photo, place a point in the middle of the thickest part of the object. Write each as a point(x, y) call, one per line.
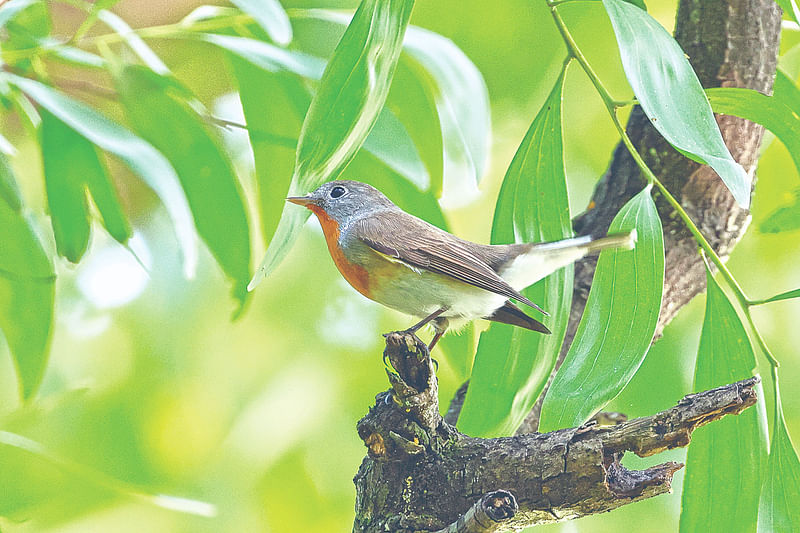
point(544, 259)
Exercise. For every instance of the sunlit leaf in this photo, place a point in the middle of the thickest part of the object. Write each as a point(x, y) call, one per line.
point(139, 155)
point(462, 101)
point(785, 218)
point(617, 325)
point(778, 511)
point(512, 364)
point(27, 289)
point(723, 465)
point(268, 56)
point(269, 14)
point(772, 112)
point(206, 12)
point(273, 108)
point(350, 97)
point(159, 114)
point(135, 42)
point(389, 141)
point(663, 82)
point(72, 55)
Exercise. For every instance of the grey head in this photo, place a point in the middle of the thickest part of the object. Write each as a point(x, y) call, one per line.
point(344, 200)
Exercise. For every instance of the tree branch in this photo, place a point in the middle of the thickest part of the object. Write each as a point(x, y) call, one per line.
point(423, 475)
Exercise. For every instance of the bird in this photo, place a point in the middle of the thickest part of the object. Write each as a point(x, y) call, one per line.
point(412, 266)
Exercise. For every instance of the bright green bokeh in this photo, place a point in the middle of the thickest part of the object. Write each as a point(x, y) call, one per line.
point(258, 416)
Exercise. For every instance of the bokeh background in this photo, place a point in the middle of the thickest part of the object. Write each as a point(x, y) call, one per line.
point(152, 384)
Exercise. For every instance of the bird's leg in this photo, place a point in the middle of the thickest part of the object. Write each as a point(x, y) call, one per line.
point(433, 316)
point(440, 326)
point(413, 329)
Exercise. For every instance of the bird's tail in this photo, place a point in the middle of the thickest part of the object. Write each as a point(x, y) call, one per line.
point(541, 259)
point(625, 240)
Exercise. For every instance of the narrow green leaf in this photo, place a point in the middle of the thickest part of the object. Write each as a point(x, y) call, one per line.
point(457, 90)
point(9, 192)
point(267, 56)
point(782, 296)
point(67, 157)
point(723, 465)
point(27, 289)
point(159, 114)
point(790, 9)
point(512, 364)
point(350, 97)
point(135, 42)
point(462, 101)
point(785, 218)
point(207, 12)
point(72, 55)
point(638, 3)
point(618, 324)
point(663, 82)
point(772, 112)
point(71, 167)
point(269, 14)
point(389, 141)
point(274, 124)
point(273, 108)
point(778, 509)
point(139, 155)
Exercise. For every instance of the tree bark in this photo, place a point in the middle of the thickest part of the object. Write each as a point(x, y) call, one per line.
point(423, 475)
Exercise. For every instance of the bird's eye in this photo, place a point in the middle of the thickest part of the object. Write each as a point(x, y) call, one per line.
point(337, 191)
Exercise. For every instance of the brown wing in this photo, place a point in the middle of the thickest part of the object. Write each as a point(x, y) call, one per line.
point(421, 245)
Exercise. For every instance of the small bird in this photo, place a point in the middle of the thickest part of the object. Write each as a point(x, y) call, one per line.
point(407, 264)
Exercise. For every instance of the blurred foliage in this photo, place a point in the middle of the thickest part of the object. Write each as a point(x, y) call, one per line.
point(155, 411)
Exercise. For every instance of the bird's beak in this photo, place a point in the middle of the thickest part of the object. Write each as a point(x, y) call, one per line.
point(300, 200)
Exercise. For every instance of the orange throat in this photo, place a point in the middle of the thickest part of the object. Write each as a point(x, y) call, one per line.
point(356, 275)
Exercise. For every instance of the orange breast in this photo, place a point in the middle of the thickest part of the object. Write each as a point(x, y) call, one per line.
point(356, 275)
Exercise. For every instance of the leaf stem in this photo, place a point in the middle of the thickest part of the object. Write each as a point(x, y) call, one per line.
point(612, 105)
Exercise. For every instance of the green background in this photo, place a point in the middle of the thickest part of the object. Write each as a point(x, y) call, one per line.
point(258, 416)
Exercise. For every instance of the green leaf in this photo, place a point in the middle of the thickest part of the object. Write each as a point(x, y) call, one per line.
point(9, 192)
point(158, 113)
point(782, 296)
point(785, 218)
point(638, 3)
point(455, 87)
point(663, 82)
point(269, 14)
point(512, 364)
point(135, 42)
point(72, 55)
point(27, 289)
point(26, 21)
point(268, 56)
point(723, 465)
point(273, 108)
point(462, 102)
point(389, 141)
point(67, 158)
point(617, 325)
point(136, 153)
point(350, 97)
point(790, 8)
point(206, 12)
point(778, 509)
point(773, 112)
